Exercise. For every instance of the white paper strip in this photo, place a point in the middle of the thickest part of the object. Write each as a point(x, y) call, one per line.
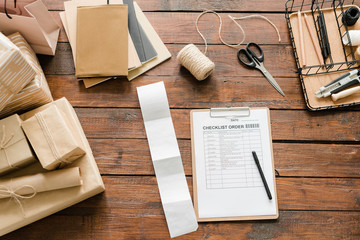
point(165, 154)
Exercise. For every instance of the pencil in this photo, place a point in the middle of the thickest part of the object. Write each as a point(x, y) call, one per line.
point(313, 39)
point(302, 44)
point(262, 174)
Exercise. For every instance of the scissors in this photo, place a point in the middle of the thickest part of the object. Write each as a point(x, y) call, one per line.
point(249, 58)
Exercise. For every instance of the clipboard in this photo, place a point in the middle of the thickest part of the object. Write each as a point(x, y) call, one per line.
point(231, 115)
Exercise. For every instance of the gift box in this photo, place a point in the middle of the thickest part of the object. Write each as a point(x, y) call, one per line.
point(15, 71)
point(15, 151)
point(51, 139)
point(46, 203)
point(34, 94)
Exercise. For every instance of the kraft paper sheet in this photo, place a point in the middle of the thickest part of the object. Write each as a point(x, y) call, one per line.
point(102, 41)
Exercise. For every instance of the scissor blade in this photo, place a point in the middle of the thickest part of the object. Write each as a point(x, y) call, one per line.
point(271, 79)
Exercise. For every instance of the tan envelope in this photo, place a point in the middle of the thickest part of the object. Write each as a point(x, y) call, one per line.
point(102, 41)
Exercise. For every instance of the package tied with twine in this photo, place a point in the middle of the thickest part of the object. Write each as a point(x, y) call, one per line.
point(15, 71)
point(15, 151)
point(36, 92)
point(46, 203)
point(51, 139)
point(23, 188)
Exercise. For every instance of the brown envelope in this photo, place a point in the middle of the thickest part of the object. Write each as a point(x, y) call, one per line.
point(102, 41)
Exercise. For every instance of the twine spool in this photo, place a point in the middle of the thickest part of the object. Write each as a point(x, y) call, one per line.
point(196, 62)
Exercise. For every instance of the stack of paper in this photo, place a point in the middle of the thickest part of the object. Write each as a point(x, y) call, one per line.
point(102, 49)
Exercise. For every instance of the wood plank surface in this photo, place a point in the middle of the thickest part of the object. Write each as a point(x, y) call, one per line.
point(183, 92)
point(131, 209)
point(315, 153)
point(299, 125)
point(132, 157)
point(279, 61)
point(165, 23)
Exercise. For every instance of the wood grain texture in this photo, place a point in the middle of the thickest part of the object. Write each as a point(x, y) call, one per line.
point(142, 224)
point(183, 91)
point(315, 153)
point(279, 61)
point(285, 125)
point(167, 24)
point(131, 209)
point(132, 157)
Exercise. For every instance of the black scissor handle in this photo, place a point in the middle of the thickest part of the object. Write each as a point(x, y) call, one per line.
point(253, 49)
point(244, 53)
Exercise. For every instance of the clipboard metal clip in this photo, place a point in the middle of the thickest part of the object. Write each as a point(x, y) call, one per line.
point(230, 112)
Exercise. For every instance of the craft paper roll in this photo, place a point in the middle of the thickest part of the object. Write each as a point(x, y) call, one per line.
point(42, 182)
point(165, 154)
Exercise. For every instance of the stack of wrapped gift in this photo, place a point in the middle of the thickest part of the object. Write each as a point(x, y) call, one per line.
point(46, 163)
point(22, 82)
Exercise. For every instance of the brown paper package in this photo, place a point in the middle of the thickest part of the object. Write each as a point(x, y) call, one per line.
point(102, 41)
point(15, 71)
point(15, 151)
point(51, 139)
point(34, 94)
point(47, 203)
point(40, 182)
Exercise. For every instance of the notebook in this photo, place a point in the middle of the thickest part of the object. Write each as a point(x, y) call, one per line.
point(226, 181)
point(102, 41)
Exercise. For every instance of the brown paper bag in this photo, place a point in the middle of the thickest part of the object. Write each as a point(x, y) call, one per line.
point(34, 22)
point(102, 41)
point(51, 139)
point(15, 71)
point(34, 94)
point(15, 151)
point(47, 203)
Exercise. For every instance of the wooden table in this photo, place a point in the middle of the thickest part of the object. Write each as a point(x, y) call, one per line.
point(316, 153)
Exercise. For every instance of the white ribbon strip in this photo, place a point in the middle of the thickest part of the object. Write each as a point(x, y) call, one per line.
point(165, 154)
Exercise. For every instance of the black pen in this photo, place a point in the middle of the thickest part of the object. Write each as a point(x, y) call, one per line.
point(262, 175)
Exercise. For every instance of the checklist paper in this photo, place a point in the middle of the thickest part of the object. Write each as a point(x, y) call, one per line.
point(165, 154)
point(228, 183)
